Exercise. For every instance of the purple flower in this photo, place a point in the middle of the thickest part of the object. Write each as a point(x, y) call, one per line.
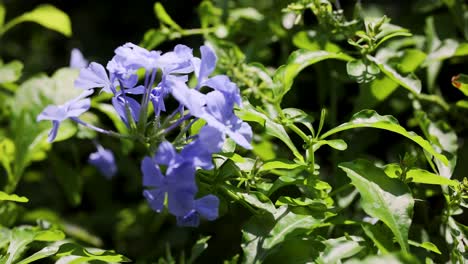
point(209, 141)
point(126, 107)
point(204, 66)
point(216, 108)
point(207, 207)
point(94, 76)
point(103, 159)
point(77, 59)
point(178, 184)
point(70, 109)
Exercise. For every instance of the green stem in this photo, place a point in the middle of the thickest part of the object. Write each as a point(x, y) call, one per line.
point(433, 99)
point(197, 31)
point(299, 132)
point(238, 199)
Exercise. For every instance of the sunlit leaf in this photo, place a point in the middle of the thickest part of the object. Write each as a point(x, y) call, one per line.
point(22, 236)
point(164, 17)
point(279, 164)
point(2, 14)
point(370, 118)
point(47, 16)
point(248, 113)
point(89, 254)
point(311, 40)
point(419, 175)
point(266, 231)
point(152, 39)
point(385, 198)
point(394, 258)
point(426, 245)
point(12, 197)
point(10, 72)
point(410, 82)
point(297, 61)
point(337, 249)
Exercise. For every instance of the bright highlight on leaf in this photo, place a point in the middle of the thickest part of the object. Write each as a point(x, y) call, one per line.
point(45, 15)
point(384, 198)
point(12, 197)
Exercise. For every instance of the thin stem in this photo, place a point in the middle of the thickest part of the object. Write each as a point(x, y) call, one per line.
point(433, 99)
point(197, 31)
point(299, 132)
point(238, 199)
point(100, 130)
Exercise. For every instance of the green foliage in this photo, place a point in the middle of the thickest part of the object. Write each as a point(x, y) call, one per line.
point(384, 198)
point(304, 68)
point(45, 15)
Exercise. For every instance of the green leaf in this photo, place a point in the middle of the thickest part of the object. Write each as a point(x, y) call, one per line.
point(394, 258)
point(279, 164)
point(2, 14)
point(297, 250)
point(462, 104)
point(43, 253)
point(381, 236)
point(449, 48)
point(388, 31)
point(460, 82)
point(200, 246)
point(89, 254)
point(297, 61)
point(380, 88)
point(12, 197)
point(410, 82)
point(7, 153)
point(313, 204)
point(370, 118)
point(362, 70)
point(5, 235)
point(248, 13)
point(69, 179)
point(31, 98)
point(410, 60)
point(337, 144)
point(266, 231)
point(426, 245)
point(385, 198)
point(337, 249)
point(10, 72)
point(256, 199)
point(442, 136)
point(419, 175)
point(164, 17)
point(248, 113)
point(152, 39)
point(45, 15)
point(311, 40)
point(458, 11)
point(22, 236)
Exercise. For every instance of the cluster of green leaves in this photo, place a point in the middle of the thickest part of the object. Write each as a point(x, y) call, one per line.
point(24, 141)
point(312, 73)
point(299, 214)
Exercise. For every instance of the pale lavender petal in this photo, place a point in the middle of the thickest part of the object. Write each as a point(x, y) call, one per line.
point(77, 59)
point(103, 159)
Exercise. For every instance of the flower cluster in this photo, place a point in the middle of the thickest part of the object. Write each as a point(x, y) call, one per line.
point(169, 174)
